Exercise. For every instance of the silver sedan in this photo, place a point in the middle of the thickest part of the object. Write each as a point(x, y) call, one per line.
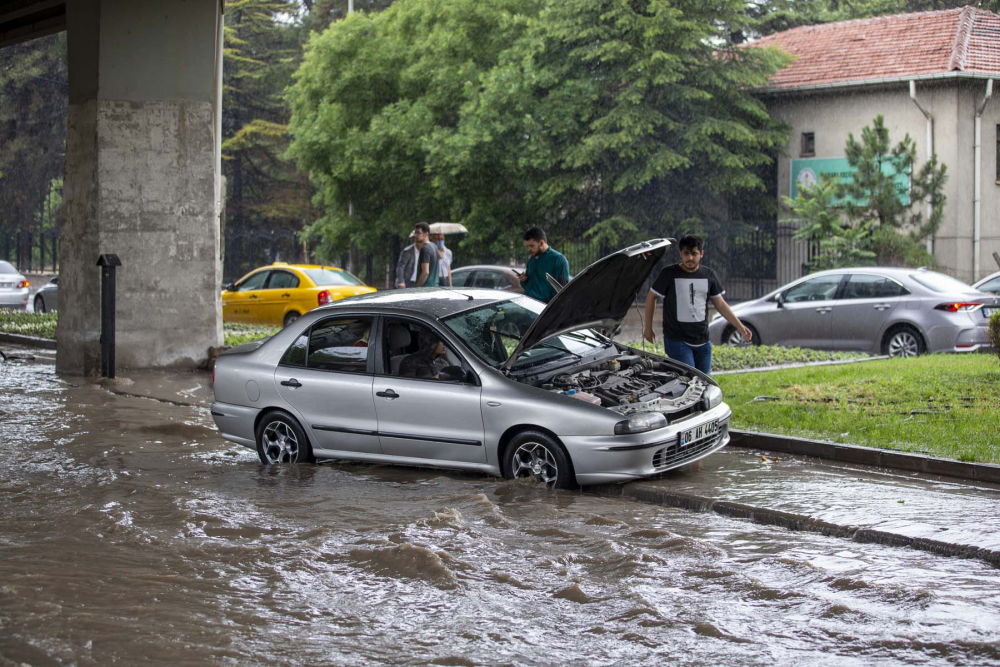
point(475, 379)
point(14, 287)
point(892, 311)
point(990, 283)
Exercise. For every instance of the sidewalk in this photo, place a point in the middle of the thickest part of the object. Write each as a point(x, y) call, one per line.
point(851, 501)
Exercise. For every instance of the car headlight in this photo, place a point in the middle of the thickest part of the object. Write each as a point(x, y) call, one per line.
point(712, 397)
point(641, 422)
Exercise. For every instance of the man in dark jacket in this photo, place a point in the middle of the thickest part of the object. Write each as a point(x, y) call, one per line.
point(418, 263)
point(544, 260)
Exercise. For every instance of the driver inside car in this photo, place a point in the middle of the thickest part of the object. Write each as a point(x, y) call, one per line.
point(427, 361)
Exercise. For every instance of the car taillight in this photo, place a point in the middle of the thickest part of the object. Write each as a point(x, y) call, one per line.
point(324, 297)
point(23, 284)
point(958, 305)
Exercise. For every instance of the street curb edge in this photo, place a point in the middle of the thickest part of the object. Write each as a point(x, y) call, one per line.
point(33, 341)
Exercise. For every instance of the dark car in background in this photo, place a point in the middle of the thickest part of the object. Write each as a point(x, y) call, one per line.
point(891, 311)
point(484, 276)
point(47, 298)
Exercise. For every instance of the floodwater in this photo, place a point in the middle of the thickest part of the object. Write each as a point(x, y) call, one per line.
point(131, 533)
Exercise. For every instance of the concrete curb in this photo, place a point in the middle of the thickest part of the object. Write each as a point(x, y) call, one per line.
point(808, 364)
point(31, 341)
point(881, 458)
point(648, 493)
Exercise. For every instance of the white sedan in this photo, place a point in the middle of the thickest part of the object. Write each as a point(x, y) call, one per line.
point(13, 287)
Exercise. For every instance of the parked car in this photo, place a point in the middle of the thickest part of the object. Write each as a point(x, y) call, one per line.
point(281, 293)
point(484, 276)
point(990, 283)
point(475, 379)
point(47, 298)
point(14, 287)
point(898, 312)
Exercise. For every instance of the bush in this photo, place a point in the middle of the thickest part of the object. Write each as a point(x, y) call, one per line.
point(994, 332)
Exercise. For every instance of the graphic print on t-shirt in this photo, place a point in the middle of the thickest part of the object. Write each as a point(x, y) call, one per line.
point(692, 298)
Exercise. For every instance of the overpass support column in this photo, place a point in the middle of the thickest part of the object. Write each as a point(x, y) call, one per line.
point(142, 181)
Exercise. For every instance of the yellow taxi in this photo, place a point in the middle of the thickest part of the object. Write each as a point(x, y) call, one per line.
point(278, 294)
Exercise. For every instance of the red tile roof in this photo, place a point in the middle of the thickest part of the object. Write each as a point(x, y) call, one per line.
point(965, 40)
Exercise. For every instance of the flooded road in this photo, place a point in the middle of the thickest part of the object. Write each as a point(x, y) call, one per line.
point(131, 533)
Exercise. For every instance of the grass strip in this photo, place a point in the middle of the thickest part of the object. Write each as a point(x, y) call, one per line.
point(727, 358)
point(941, 404)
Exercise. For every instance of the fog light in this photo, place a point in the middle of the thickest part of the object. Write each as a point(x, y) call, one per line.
point(641, 422)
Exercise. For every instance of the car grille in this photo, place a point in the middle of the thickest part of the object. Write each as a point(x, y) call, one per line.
point(674, 455)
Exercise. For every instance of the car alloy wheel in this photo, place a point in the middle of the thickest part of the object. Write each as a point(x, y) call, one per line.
point(39, 304)
point(903, 344)
point(290, 317)
point(279, 443)
point(533, 459)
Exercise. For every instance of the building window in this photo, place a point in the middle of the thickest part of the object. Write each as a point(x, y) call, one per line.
point(808, 144)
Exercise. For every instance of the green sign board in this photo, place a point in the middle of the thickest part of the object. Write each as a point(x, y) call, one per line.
point(808, 171)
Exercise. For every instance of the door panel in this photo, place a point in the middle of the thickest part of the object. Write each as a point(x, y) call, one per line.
point(808, 314)
point(863, 311)
point(274, 300)
point(420, 416)
point(242, 305)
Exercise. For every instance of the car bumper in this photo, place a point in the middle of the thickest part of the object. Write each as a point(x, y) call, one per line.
point(236, 423)
point(14, 298)
point(606, 459)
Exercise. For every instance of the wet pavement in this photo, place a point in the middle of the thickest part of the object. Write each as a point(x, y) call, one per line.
point(132, 533)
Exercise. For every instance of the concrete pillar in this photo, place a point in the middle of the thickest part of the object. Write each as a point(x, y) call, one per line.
point(142, 181)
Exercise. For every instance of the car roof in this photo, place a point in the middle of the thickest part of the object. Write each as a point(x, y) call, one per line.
point(286, 265)
point(436, 301)
point(989, 277)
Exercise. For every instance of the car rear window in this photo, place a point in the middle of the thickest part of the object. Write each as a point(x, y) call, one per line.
point(327, 277)
point(939, 282)
point(6, 267)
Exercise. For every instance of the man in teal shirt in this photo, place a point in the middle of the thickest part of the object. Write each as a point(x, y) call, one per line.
point(543, 260)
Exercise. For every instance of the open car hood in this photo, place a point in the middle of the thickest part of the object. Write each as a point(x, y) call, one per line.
point(599, 296)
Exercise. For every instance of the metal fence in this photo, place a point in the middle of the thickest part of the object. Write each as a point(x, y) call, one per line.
point(31, 252)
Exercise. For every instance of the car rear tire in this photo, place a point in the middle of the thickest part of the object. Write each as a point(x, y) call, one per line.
point(537, 455)
point(39, 304)
point(903, 341)
point(290, 317)
point(731, 337)
point(280, 439)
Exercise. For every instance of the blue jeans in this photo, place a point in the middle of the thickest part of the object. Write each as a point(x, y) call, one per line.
point(699, 357)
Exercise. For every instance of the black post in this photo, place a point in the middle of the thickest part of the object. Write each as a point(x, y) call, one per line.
point(108, 263)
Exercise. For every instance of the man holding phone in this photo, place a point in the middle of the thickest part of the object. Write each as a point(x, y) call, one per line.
point(544, 260)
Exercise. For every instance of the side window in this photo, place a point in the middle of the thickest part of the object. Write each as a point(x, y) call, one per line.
point(460, 278)
point(256, 281)
point(865, 286)
point(821, 288)
point(296, 354)
point(282, 280)
point(891, 288)
point(340, 345)
point(991, 285)
point(490, 280)
point(416, 351)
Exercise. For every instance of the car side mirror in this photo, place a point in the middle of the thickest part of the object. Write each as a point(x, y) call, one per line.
point(231, 287)
point(55, 281)
point(453, 374)
point(781, 300)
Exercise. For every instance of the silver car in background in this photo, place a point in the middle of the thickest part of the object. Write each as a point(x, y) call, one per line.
point(475, 379)
point(14, 287)
point(47, 298)
point(892, 311)
point(990, 283)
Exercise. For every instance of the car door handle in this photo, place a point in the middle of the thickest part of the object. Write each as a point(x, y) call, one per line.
point(882, 306)
point(285, 295)
point(253, 296)
point(291, 383)
point(388, 394)
point(824, 310)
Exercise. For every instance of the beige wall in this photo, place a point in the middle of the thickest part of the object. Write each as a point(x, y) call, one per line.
point(833, 114)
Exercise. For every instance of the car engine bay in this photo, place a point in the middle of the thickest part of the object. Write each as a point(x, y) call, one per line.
point(628, 384)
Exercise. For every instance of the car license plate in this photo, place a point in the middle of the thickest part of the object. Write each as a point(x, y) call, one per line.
point(988, 312)
point(6, 285)
point(700, 432)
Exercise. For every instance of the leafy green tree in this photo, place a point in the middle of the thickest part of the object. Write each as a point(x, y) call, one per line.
point(867, 218)
point(604, 117)
point(33, 109)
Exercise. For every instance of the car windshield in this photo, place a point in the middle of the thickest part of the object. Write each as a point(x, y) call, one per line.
point(327, 277)
point(493, 331)
point(939, 282)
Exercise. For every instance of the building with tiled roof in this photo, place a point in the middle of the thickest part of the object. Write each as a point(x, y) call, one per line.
point(930, 75)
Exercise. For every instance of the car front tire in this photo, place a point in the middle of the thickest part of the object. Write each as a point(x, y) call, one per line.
point(732, 337)
point(533, 454)
point(280, 439)
point(903, 341)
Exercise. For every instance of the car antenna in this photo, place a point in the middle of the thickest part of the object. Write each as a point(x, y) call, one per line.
point(452, 289)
